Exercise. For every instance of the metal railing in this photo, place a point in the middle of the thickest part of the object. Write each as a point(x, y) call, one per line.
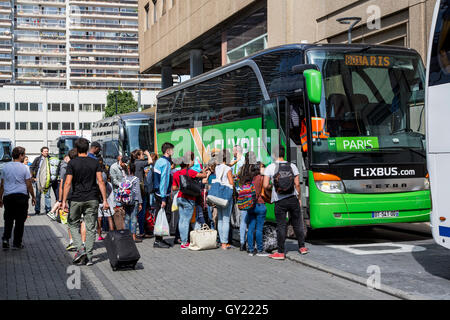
point(79, 50)
point(96, 38)
point(109, 63)
point(40, 50)
point(105, 13)
point(103, 25)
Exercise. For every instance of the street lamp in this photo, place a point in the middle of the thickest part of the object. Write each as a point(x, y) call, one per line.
point(115, 95)
point(346, 20)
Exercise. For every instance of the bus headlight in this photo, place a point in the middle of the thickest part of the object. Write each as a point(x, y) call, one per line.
point(330, 186)
point(426, 184)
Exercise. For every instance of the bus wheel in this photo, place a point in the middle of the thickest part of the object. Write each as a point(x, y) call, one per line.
point(269, 237)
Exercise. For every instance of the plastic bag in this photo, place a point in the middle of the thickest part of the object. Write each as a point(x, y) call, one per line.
point(161, 224)
point(63, 216)
point(175, 203)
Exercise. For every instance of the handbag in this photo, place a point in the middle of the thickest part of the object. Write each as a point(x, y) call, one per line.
point(266, 195)
point(203, 239)
point(188, 186)
point(219, 194)
point(161, 224)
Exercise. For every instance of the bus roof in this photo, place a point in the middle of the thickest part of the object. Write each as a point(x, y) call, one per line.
point(128, 116)
point(332, 46)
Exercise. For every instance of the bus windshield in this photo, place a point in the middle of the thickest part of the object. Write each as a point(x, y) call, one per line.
point(139, 135)
point(371, 103)
point(5, 151)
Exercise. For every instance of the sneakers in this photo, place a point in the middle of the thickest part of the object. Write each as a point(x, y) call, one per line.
point(70, 247)
point(18, 247)
point(101, 238)
point(137, 240)
point(303, 250)
point(185, 246)
point(262, 254)
point(251, 254)
point(243, 247)
point(51, 215)
point(89, 262)
point(161, 244)
point(5, 244)
point(80, 256)
point(277, 256)
point(226, 246)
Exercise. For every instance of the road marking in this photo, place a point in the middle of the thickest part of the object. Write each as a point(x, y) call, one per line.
point(391, 248)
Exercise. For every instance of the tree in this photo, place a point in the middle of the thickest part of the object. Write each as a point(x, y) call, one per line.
point(125, 103)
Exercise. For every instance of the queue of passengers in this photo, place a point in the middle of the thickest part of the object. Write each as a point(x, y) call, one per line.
point(87, 192)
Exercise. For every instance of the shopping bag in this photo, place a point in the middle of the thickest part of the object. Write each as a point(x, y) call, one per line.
point(175, 203)
point(161, 224)
point(203, 239)
point(63, 216)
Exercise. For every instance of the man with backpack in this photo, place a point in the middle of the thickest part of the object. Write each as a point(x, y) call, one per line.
point(285, 193)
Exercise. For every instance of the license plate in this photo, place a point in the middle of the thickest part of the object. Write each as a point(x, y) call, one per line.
point(385, 214)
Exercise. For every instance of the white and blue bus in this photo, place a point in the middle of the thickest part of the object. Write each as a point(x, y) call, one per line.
point(438, 121)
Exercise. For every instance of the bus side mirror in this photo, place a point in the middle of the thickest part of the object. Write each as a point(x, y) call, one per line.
point(313, 79)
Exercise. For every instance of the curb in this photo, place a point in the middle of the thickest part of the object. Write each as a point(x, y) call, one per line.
point(354, 278)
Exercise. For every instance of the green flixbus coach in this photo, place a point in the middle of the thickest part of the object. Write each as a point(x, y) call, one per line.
point(350, 116)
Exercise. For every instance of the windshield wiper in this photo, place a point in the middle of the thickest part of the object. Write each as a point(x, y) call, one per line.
point(403, 148)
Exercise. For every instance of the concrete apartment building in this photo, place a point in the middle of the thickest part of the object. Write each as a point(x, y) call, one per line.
point(59, 58)
point(193, 36)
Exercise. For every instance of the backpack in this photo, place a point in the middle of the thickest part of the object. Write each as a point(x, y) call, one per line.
point(283, 179)
point(148, 182)
point(246, 198)
point(125, 195)
point(188, 186)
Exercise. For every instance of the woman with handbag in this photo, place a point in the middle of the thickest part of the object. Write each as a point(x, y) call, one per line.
point(188, 190)
point(224, 177)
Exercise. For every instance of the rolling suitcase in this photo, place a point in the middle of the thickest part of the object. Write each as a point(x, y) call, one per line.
point(121, 249)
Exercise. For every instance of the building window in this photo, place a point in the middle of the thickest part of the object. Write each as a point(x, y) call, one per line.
point(35, 106)
point(68, 126)
point(35, 125)
point(4, 125)
point(155, 12)
point(86, 107)
point(54, 107)
point(21, 125)
point(85, 126)
point(4, 106)
point(67, 107)
point(22, 106)
point(147, 8)
point(99, 107)
point(54, 126)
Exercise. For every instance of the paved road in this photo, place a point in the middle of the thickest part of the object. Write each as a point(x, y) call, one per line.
point(40, 272)
point(405, 254)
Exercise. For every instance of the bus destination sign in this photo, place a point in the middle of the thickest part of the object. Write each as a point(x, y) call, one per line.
point(368, 61)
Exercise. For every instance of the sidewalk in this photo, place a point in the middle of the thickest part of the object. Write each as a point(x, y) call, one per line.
point(40, 272)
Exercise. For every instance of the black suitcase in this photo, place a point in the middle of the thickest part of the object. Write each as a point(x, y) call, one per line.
point(121, 249)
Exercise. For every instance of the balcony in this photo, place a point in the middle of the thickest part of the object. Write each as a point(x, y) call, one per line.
point(79, 39)
point(46, 39)
point(101, 64)
point(40, 52)
point(103, 14)
point(113, 77)
point(42, 64)
point(40, 76)
point(39, 26)
point(104, 52)
point(59, 3)
point(106, 3)
point(37, 13)
point(103, 27)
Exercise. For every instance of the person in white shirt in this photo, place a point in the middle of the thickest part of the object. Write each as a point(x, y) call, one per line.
point(15, 188)
point(285, 192)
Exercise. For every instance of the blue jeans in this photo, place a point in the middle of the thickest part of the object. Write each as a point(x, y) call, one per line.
point(186, 210)
point(141, 214)
point(210, 210)
point(131, 217)
point(243, 225)
point(223, 225)
point(48, 201)
point(256, 218)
